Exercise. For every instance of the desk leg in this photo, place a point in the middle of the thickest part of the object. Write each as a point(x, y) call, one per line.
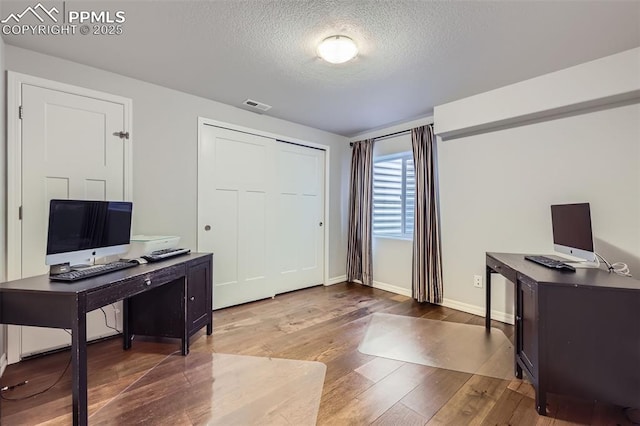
point(79, 366)
point(487, 315)
point(126, 333)
point(185, 325)
point(541, 401)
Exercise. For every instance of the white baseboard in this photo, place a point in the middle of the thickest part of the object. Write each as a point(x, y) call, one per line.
point(503, 317)
point(464, 307)
point(376, 284)
point(392, 288)
point(3, 363)
point(478, 310)
point(336, 280)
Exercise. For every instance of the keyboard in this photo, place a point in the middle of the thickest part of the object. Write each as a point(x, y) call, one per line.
point(165, 254)
point(550, 263)
point(81, 274)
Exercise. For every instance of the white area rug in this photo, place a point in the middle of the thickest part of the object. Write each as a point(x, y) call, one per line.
point(220, 389)
point(453, 346)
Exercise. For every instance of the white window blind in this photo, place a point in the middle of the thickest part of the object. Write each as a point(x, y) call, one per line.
point(394, 188)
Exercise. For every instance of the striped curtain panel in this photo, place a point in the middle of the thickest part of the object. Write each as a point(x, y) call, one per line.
point(359, 252)
point(427, 263)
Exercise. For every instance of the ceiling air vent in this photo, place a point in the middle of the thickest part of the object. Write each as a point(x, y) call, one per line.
point(256, 105)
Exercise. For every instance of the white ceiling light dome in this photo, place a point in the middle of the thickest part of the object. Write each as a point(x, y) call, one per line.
point(337, 49)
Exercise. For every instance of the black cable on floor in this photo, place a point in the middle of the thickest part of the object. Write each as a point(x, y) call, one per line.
point(22, 398)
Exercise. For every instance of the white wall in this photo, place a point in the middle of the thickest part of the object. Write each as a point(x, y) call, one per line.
point(165, 147)
point(496, 187)
point(392, 257)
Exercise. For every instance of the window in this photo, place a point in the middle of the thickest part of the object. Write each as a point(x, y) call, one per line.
point(394, 194)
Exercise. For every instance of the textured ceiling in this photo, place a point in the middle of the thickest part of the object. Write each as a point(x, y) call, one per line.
point(413, 54)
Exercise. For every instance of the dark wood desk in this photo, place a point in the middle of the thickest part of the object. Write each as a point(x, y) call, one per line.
point(577, 333)
point(172, 298)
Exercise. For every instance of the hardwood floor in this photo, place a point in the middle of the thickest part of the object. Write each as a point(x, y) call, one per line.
point(324, 324)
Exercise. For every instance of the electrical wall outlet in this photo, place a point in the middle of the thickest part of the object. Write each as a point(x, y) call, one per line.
point(477, 281)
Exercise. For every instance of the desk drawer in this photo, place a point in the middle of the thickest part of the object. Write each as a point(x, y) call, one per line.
point(502, 269)
point(134, 285)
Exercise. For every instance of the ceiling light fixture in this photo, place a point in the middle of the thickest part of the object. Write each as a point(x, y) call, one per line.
point(337, 49)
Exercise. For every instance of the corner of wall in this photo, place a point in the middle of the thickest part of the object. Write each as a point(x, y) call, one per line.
point(336, 280)
point(3, 194)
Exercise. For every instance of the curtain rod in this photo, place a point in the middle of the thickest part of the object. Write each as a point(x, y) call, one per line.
point(401, 132)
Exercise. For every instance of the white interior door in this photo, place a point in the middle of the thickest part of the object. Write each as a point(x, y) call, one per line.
point(69, 151)
point(235, 213)
point(260, 209)
point(299, 247)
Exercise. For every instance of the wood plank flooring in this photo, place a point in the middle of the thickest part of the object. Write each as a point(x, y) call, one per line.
point(324, 324)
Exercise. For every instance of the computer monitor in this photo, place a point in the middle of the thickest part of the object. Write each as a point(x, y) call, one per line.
point(572, 230)
point(81, 230)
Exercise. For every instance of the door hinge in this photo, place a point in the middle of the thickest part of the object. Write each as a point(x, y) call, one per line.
point(20, 112)
point(122, 135)
point(20, 213)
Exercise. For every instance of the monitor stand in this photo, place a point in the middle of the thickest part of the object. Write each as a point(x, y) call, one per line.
point(582, 264)
point(575, 262)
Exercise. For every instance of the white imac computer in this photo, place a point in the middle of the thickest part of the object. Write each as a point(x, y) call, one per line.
point(82, 230)
point(572, 232)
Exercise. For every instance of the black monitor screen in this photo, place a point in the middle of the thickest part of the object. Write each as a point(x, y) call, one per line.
point(79, 225)
point(572, 226)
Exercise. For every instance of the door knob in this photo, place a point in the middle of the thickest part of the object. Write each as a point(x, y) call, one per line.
point(207, 228)
point(320, 224)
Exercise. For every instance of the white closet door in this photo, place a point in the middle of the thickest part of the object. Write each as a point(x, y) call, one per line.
point(260, 209)
point(235, 213)
point(299, 247)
